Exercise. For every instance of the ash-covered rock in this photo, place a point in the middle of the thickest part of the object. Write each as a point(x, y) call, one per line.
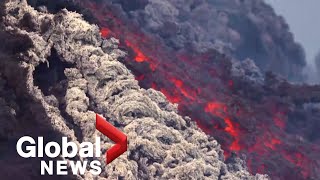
point(56, 72)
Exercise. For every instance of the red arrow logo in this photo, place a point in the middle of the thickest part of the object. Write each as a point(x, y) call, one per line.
point(115, 135)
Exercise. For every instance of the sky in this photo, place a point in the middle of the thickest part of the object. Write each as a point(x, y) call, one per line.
point(303, 17)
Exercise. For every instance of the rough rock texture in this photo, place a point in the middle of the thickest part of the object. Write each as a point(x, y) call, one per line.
point(273, 125)
point(56, 72)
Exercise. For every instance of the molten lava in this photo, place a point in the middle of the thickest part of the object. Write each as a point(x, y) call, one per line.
point(202, 86)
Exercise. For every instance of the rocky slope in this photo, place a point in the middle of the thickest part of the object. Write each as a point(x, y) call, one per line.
point(56, 72)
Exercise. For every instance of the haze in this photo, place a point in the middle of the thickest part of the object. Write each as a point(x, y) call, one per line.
point(303, 18)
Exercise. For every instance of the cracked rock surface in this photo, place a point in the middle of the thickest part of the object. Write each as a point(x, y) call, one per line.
point(56, 72)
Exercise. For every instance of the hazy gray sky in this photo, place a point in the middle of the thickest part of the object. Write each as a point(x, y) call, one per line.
point(303, 17)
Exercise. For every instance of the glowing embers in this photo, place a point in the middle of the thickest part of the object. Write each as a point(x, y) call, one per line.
point(200, 84)
point(220, 110)
point(179, 93)
point(139, 56)
point(173, 97)
point(233, 129)
point(185, 91)
point(105, 32)
point(273, 143)
point(216, 108)
point(279, 120)
point(300, 160)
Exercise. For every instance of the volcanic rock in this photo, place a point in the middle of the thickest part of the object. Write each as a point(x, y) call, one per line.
point(56, 72)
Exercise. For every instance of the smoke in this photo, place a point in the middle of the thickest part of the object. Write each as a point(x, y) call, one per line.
point(242, 29)
point(317, 63)
point(312, 70)
point(84, 77)
point(303, 29)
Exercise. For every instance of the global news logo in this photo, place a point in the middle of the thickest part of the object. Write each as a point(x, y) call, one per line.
point(69, 150)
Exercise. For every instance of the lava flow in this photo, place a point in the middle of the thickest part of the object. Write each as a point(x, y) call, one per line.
point(203, 87)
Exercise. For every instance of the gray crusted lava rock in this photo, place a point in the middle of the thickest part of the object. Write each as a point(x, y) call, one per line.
point(63, 72)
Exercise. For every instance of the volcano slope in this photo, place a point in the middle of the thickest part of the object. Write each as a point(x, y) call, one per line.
point(269, 121)
point(56, 72)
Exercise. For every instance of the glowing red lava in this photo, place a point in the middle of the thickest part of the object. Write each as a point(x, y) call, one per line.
point(201, 85)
